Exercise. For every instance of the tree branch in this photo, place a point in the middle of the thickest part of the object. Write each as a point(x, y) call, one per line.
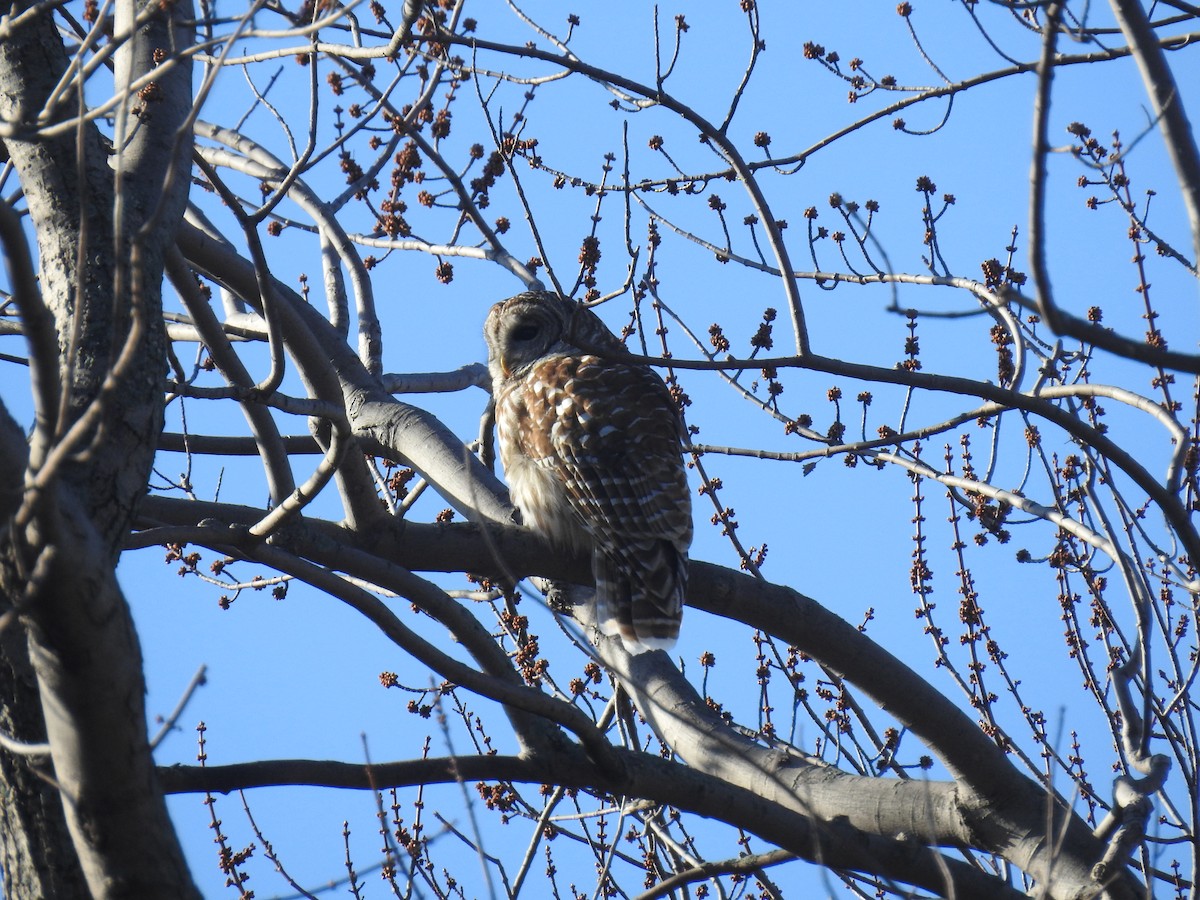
point(1167, 103)
point(832, 844)
point(1002, 808)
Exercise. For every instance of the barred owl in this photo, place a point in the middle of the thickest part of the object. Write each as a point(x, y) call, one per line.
point(592, 451)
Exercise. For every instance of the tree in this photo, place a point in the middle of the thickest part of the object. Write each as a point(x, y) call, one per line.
point(223, 153)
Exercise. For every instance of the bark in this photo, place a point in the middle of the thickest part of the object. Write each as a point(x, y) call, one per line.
point(72, 666)
point(36, 852)
point(89, 669)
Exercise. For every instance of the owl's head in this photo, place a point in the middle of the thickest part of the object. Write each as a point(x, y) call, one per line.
point(529, 327)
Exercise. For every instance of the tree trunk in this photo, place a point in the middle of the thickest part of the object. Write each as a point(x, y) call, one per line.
point(72, 667)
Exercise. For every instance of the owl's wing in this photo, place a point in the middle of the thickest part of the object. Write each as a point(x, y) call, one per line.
point(616, 433)
point(615, 440)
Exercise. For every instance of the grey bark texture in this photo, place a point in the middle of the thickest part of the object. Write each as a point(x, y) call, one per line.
point(90, 820)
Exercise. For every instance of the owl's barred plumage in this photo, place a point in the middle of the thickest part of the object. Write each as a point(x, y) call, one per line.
point(591, 448)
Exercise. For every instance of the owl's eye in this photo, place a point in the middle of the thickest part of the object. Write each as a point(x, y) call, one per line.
point(525, 332)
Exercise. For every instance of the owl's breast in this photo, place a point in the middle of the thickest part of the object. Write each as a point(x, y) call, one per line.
point(539, 493)
point(524, 420)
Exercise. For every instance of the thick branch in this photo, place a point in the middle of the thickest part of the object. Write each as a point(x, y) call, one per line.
point(382, 424)
point(89, 670)
point(831, 844)
point(100, 251)
point(994, 806)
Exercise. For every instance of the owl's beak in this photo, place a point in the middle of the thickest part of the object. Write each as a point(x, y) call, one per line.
point(504, 367)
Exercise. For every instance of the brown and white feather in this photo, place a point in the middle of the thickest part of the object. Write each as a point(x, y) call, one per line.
point(591, 447)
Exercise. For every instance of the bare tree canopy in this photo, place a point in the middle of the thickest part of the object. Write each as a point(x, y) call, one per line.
point(922, 284)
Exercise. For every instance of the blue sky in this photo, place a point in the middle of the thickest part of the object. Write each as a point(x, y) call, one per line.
point(299, 677)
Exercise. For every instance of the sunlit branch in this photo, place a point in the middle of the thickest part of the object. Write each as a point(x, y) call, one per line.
point(749, 865)
point(297, 406)
point(519, 189)
point(1168, 106)
point(756, 47)
point(1016, 501)
point(470, 375)
point(396, 429)
point(469, 208)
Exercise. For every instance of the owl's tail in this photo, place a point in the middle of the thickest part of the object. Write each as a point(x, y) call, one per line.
point(640, 589)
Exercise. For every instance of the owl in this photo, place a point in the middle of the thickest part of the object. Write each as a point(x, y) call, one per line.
point(592, 450)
